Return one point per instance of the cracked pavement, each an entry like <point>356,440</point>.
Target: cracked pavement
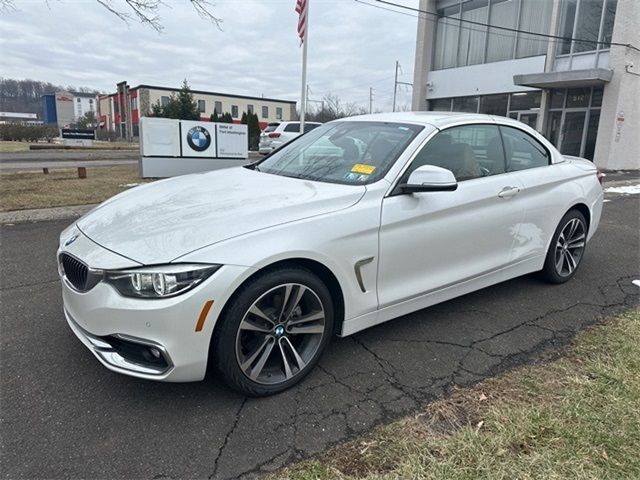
<point>63,415</point>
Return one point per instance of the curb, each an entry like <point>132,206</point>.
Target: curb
<point>41,214</point>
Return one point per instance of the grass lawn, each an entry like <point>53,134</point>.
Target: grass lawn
<point>576,417</point>
<point>11,147</point>
<point>19,191</point>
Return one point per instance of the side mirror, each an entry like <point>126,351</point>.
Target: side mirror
<point>429,178</point>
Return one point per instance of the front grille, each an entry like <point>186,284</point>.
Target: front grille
<point>75,271</point>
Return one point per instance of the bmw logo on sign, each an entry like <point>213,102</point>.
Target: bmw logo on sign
<point>199,139</point>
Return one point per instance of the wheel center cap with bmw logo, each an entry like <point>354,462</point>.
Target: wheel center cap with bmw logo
<point>199,139</point>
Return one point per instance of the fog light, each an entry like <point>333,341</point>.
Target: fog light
<point>155,352</point>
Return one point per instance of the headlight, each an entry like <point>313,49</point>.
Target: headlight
<point>158,281</point>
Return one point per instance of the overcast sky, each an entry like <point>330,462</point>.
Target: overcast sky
<point>78,42</point>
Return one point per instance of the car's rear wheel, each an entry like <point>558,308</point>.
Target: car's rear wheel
<point>273,331</point>
<point>566,249</point>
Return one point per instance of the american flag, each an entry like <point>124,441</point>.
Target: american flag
<point>301,10</point>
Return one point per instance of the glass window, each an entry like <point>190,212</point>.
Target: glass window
<point>440,105</point>
<point>494,104</point>
<point>201,106</point>
<point>566,25</point>
<point>249,108</point>
<point>218,107</point>
<point>525,100</point>
<point>234,111</point>
<point>596,98</point>
<point>278,113</point>
<point>522,151</point>
<point>465,104</point>
<point>609,17</point>
<point>271,127</point>
<point>342,152</point>
<point>292,127</point>
<point>557,98</point>
<point>529,119</point>
<point>449,27</point>
<point>535,16</point>
<point>265,112</point>
<point>592,133</point>
<point>572,132</point>
<point>578,97</point>
<point>470,151</point>
<point>500,42</point>
<point>472,37</point>
<point>310,126</point>
<point>588,25</point>
<point>165,100</point>
<point>554,127</point>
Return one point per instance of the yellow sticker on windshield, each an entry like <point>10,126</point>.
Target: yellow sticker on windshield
<point>363,168</point>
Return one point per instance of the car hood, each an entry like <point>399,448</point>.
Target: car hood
<point>161,221</point>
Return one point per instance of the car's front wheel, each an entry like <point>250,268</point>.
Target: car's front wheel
<point>566,249</point>
<point>273,331</point>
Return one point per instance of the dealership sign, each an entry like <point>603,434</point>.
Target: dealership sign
<point>77,136</point>
<point>176,147</point>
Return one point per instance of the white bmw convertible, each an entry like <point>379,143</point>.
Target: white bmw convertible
<point>251,270</point>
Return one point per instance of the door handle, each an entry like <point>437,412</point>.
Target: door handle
<point>508,192</point>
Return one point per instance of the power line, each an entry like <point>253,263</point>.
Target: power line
<point>508,29</point>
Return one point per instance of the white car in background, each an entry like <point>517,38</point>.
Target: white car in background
<point>251,270</point>
<point>277,134</point>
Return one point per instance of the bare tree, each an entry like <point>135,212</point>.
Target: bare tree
<point>333,107</point>
<point>144,11</point>
<point>148,11</point>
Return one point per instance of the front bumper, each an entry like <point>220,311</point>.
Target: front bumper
<point>121,332</point>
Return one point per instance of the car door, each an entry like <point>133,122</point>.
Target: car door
<point>435,239</point>
<point>544,188</point>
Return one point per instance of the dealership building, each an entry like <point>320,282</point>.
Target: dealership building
<point>120,112</point>
<point>65,108</point>
<point>582,91</point>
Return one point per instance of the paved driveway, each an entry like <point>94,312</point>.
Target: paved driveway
<point>63,415</point>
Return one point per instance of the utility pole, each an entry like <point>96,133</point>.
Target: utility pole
<point>370,100</point>
<point>395,86</point>
<point>396,83</point>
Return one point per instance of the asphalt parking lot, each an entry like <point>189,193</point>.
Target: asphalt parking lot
<point>64,416</point>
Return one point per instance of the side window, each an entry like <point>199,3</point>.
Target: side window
<point>310,126</point>
<point>292,127</point>
<point>522,151</point>
<point>469,151</point>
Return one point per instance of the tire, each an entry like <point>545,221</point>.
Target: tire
<point>566,249</point>
<point>262,347</point>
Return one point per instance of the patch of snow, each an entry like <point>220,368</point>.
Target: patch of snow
<point>129,185</point>
<point>627,190</point>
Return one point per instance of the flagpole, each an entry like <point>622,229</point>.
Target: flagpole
<point>303,95</point>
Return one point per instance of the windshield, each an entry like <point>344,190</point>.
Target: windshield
<point>351,153</point>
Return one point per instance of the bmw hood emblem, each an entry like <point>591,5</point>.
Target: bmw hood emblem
<point>71,240</point>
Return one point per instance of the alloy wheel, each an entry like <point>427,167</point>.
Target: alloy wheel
<point>570,247</point>
<point>280,334</point>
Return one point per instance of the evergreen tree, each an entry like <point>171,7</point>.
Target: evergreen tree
<point>157,110</point>
<point>254,130</point>
<point>243,119</point>
<point>214,116</point>
<point>182,106</point>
